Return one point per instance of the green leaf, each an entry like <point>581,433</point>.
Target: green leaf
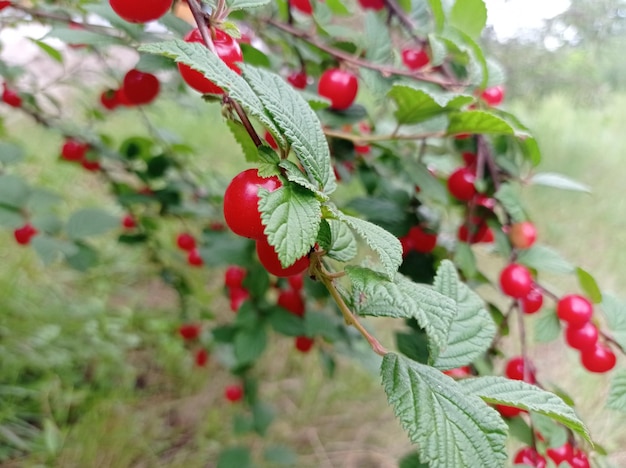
<point>50,249</point>
<point>250,344</point>
<point>451,427</point>
<point>14,192</point>
<point>242,137</point>
<point>543,258</point>
<point>617,395</point>
<point>235,457</point>
<point>438,14</point>
<point>286,323</point>
<point>377,43</point>
<point>245,4</point>
<point>339,241</point>
<point>472,330</point>
<point>552,179</point>
<point>53,53</point>
<point>321,324</point>
<point>297,122</point>
<point>415,103</point>
<point>520,430</point>
<point>547,326</point>
<point>615,312</point>
<point>470,16</point>
<point>509,199</point>
<point>278,455</point>
<point>263,415</point>
<point>78,36</point>
<point>11,217</point>
<point>90,222</point>
<point>85,258</point>
<point>411,460</point>
<point>292,217</point>
<point>374,295</point>
<point>385,244</point>
<point>503,391</point>
<point>10,153</point>
<point>589,285</point>
<point>478,121</point>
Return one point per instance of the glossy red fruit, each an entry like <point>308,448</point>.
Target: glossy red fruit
<point>11,97</point>
<point>304,343</point>
<point>185,241</point>
<point>189,331</point>
<point>493,96</point>
<point>194,258</point>
<point>201,357</point>
<point>508,411</point>
<point>514,370</point>
<point>91,166</point>
<point>291,301</point>
<point>579,460</point>
<point>582,338</point>
<point>74,150</point>
<point>560,454</point>
<point>574,309</point>
<point>227,49</point>
<point>140,88</point>
<point>522,235</point>
<point>140,11</point>
<point>516,281</point>
<point>598,359</point>
<point>24,234</point>
<point>461,184</point>
<point>407,245</point>
<point>339,86</point>
<point>233,393</point>
<point>469,158</point>
<point>108,99</point>
<point>414,59</point>
<point>459,372</point>
<point>422,241</point>
<point>298,79</point>
<point>296,282</point>
<point>269,259</point>
<point>529,456</point>
<point>238,295</point>
<point>4,4</point>
<point>479,233</point>
<point>241,200</point>
<point>128,222</point>
<point>532,302</point>
<point>234,276</point>
<point>269,138</point>
<point>372,4</point>
<point>304,6</point>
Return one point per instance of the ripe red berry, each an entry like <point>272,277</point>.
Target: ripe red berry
<point>296,282</point>
<point>201,357</point>
<point>598,359</point>
<point>582,338</point>
<point>11,97</point>
<point>532,302</point>
<point>493,96</point>
<point>529,456</point>
<point>185,241</point>
<point>227,49</point>
<point>407,244</point>
<point>560,454</point>
<point>423,241</point>
<point>479,232</point>
<point>241,201</point>
<point>574,309</point>
<point>414,59</point>
<point>194,258</point>
<point>579,460</point>
<point>269,138</point>
<point>234,276</point>
<point>108,99</point>
<point>469,158</point>
<point>140,11</point>
<point>516,281</point>
<point>269,259</point>
<point>459,372</point>
<point>238,295</point>
<point>140,88</point>
<point>298,79</point>
<point>24,234</point>
<point>508,411</point>
<point>304,343</point>
<point>303,6</point>
<point>189,331</point>
<point>339,86</point>
<point>291,301</point>
<point>515,370</point>
<point>461,184</point>
<point>522,235</point>
<point>372,4</point>
<point>90,165</point>
<point>128,222</point>
<point>4,4</point>
<point>74,150</point>
<point>233,393</point>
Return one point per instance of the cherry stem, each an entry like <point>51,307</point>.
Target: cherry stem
<point>360,138</point>
<point>202,23</point>
<point>256,139</point>
<point>405,21</point>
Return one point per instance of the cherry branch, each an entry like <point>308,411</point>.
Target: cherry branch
<point>360,138</point>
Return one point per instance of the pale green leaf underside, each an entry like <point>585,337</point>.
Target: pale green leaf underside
<point>292,217</point>
<point>500,390</point>
<point>544,258</point>
<point>559,181</point>
<point>615,312</point>
<point>617,396</point>
<point>451,427</point>
<point>90,222</point>
<point>470,16</point>
<point>343,246</point>
<point>415,105</point>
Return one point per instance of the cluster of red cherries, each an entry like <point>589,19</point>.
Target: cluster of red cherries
<point>138,89</point>
<point>76,151</point>
<point>292,300</point>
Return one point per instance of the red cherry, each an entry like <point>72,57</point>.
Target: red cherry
<point>408,245</point>
<point>487,202</point>
<point>362,149</point>
<point>24,234</point>
<point>74,150</point>
<point>91,166</point>
<point>234,276</point>
<point>291,301</point>
<point>423,241</point>
<point>516,281</point>
<point>122,99</point>
<point>582,338</point>
<point>579,460</point>
<point>270,140</point>
<point>598,359</point>
<point>522,235</point>
<point>493,96</point>
<point>108,99</point>
<point>339,86</point>
<point>269,259</point>
<point>296,282</point>
<point>194,258</point>
<point>233,393</point>
<point>414,59</point>
<point>560,454</point>
<point>201,357</point>
<point>459,372</point>
<point>140,88</point>
<point>461,184</point>
<point>189,331</point>
<point>303,6</point>
<point>238,295</point>
<point>372,4</point>
<point>532,302</point>
<point>298,79</point>
<point>241,202</point>
<point>128,222</point>
<point>478,234</point>
<point>508,411</point>
<point>11,97</point>
<point>304,343</point>
<point>186,241</point>
<point>227,49</point>
<point>574,309</point>
<point>529,456</point>
<point>140,11</point>
<point>4,4</point>
<point>515,370</point>
<point>469,158</point>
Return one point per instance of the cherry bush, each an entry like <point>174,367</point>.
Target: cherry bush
<point>394,98</point>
